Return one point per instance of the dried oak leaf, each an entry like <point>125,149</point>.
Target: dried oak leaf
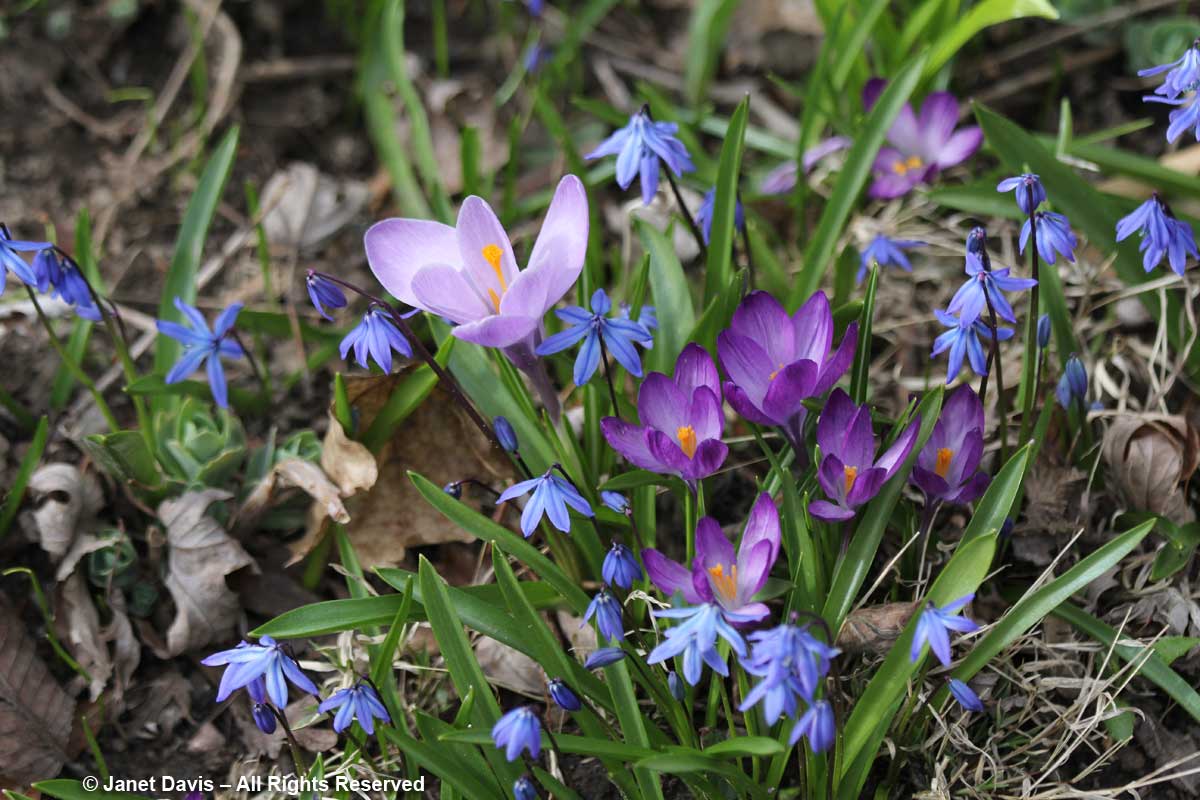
<point>873,629</point>
<point>67,503</point>
<point>199,556</point>
<point>35,713</point>
<point>1150,457</point>
<point>298,473</point>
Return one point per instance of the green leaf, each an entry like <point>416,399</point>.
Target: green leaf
<point>706,35</point>
<point>720,243</point>
<point>29,462</point>
<point>635,478</point>
<point>126,455</point>
<point>745,746</point>
<point>672,298</point>
<point>566,743</point>
<point>445,763</point>
<point>982,15</point>
<point>862,354</point>
<point>997,502</point>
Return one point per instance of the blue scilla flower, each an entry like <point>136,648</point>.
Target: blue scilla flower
<point>268,661</point>
<point>551,496</point>
<point>639,147</point>
<point>603,657</point>
<point>519,729</point>
<point>886,253</point>
<point>817,725</point>
<point>47,269</point>
<point>506,434</point>
<point>696,639</point>
<point>375,337</point>
<point>70,286</point>
<point>358,702</point>
<point>983,285</point>
<point>1029,189</point>
<point>963,340</point>
<point>562,695</point>
<point>1043,331</point>
<point>620,568</point>
<point>675,685</point>
<point>618,335</point>
<point>523,789</point>
<point>324,292</point>
<point>1072,386</point>
<point>965,695</point>
<point>1183,74</point>
<point>1053,236</point>
<point>606,609</point>
<point>264,717</point>
<point>201,344</point>
<point>615,501</point>
<point>977,241</point>
<point>934,626</point>
<point>1185,117</point>
<point>647,318</point>
<point>10,258</point>
<point>791,663</point>
<point>704,214</point>
<point>1162,234</point>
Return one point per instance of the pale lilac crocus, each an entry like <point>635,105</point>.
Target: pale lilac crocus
<point>719,574</point>
<point>681,421</point>
<point>775,360</point>
<point>849,473</point>
<point>469,275</point>
<point>947,469</point>
<point>920,145</point>
<point>782,179</point>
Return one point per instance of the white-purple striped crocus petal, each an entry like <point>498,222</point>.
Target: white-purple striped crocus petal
<point>469,275</point>
<point>681,421</point>
<point>921,145</point>
<point>947,467</point>
<point>849,473</point>
<point>775,360</point>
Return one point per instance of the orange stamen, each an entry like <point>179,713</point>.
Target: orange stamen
<point>776,372</point>
<point>687,440</point>
<point>726,585</point>
<point>493,255</point>
<point>851,476</point>
<point>944,456</point>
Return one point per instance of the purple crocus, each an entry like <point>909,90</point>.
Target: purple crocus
<point>639,146</point>
<point>719,574</point>
<point>934,625</point>
<point>921,146</point>
<point>849,472</point>
<point>201,344</point>
<point>886,252</point>
<point>469,275</point>
<point>1054,236</point>
<point>775,361</point>
<point>519,729</point>
<point>358,702</point>
<point>681,421</point>
<point>983,285</point>
<point>963,340</point>
<point>946,469</point>
<point>782,179</point>
<point>1162,234</point>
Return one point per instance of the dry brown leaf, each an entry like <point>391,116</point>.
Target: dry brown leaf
<point>875,628</point>
<point>1054,496</point>
<point>306,206</point>
<point>316,738</point>
<point>348,463</point>
<point>199,556</point>
<point>35,713</point>
<point>1151,457</point>
<point>298,473</point>
<point>507,667</point>
<point>69,501</point>
<point>81,621</point>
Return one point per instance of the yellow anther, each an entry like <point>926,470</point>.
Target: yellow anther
<point>687,439</point>
<point>944,456</point>
<point>851,476</point>
<point>726,585</point>
<point>776,372</point>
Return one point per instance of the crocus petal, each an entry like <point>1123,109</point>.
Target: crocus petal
<point>710,455</point>
<point>762,319</point>
<point>669,576</point>
<point>695,368</point>
<point>747,364</point>
<point>753,567</point>
<point>835,421</point>
<point>705,415</point>
<point>824,510</point>
<point>444,290</point>
<point>812,330</point>
<point>479,231</point>
<point>630,441</point>
<point>397,249</point>
<point>895,455</point>
<point>763,525</point>
<point>498,331</point>
<point>959,147</point>
<point>661,404</point>
<point>835,367</point>
<point>793,383</point>
<point>712,547</point>
<point>939,115</point>
<point>562,242</point>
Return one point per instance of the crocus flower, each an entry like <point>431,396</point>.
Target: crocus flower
<point>639,147</point>
<point>375,337</point>
<point>505,433</point>
<point>201,344</point>
<point>983,285</point>
<point>921,146</point>
<point>603,657</point>
<point>705,212</point>
<point>681,421</point>
<point>719,574</point>
<point>775,361</point>
<point>593,327</point>
<point>69,285</point>
<point>324,292</point>
<point>620,568</point>
<point>696,639</point>
<point>817,725</point>
<point>607,610</point>
<point>886,252</point>
<point>1029,189</point>
<point>946,469</point>
<point>1162,235</point>
<point>1072,386</point>
<point>468,274</point>
<point>523,789</point>
<point>615,501</point>
<point>519,729</point>
<point>782,179</point>
<point>1043,331</point>
<point>267,660</point>
<point>963,340</point>
<point>934,625</point>
<point>1053,236</point>
<point>791,662</point>
<point>849,473</point>
<point>356,702</point>
<point>1183,73</point>
<point>965,695</point>
<point>562,695</point>
<point>551,496</point>
<point>264,717</point>
<point>10,260</point>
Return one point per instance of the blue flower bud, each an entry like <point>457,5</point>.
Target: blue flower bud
<point>1073,385</point>
<point>523,789</point>
<point>562,695</point>
<point>965,695</point>
<point>620,568</point>
<point>603,657</point>
<point>454,489</point>
<point>263,718</point>
<point>1043,331</point>
<point>675,684</point>
<point>615,501</point>
<point>324,292</point>
<point>977,240</point>
<point>506,434</point>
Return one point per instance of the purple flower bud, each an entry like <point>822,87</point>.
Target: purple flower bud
<point>562,695</point>
<point>620,568</point>
<point>523,789</point>
<point>818,726</point>
<point>506,434</point>
<point>1043,331</point>
<point>965,695</point>
<point>263,718</point>
<point>324,292</point>
<point>1073,385</point>
<point>1029,189</point>
<point>675,684</point>
<point>977,240</point>
<point>454,489</point>
<point>519,729</point>
<point>603,657</point>
<point>607,610</point>
<point>615,501</point>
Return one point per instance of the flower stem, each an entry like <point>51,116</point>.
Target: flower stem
<point>293,745</point>
<point>1001,399</point>
<point>612,391</point>
<point>683,209</point>
<point>1031,325</point>
<point>258,374</point>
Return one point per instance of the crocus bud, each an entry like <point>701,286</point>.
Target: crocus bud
<point>506,434</point>
<point>562,695</point>
<point>1043,331</point>
<point>454,489</point>
<point>675,685</point>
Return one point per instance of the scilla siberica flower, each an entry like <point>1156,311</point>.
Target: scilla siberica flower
<point>1072,386</point>
<point>849,472</point>
<point>934,625</point>
<point>886,252</point>
<point>719,574</point>
<point>705,212</point>
<point>593,327</point>
<point>562,695</point>
<point>606,609</point>
<point>1183,74</point>
<point>603,657</point>
<point>620,568</point>
<point>920,146</point>
<point>1186,117</point>
<point>639,146</point>
<point>696,639</point>
<point>1029,191</point>
<point>66,281</point>
<point>505,434</point>
<point>983,285</point>
<point>775,360</point>
<point>10,260</point>
<point>615,501</point>
<point>267,660</point>
<point>324,292</point>
<point>201,344</point>
<point>551,496</point>
<point>963,340</point>
<point>523,789</point>
<point>1053,236</point>
<point>946,469</point>
<point>791,663</point>
<point>264,717</point>
<point>647,316</point>
<point>817,725</point>
<point>965,695</point>
<point>469,275</point>
<point>681,421</point>
<point>1043,331</point>
<point>356,702</point>
<point>519,729</point>
<point>375,337</point>
<point>1162,235</point>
